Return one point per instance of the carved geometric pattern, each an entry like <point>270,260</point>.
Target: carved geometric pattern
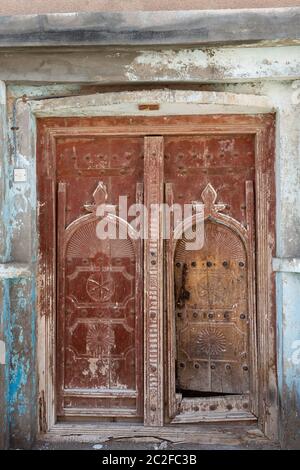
<point>211,341</point>
<point>100,287</point>
<point>209,197</point>
<point>100,319</point>
<point>153,284</point>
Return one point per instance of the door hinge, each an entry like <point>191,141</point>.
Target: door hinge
<point>42,413</point>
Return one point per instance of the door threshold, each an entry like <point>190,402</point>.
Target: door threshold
<point>204,434</point>
<point>209,416</point>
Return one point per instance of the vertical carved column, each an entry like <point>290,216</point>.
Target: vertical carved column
<point>153,283</point>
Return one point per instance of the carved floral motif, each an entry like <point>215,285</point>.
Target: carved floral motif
<point>211,341</point>
<point>100,340</point>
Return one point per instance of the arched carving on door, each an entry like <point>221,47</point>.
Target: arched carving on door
<point>213,303</point>
<point>211,313</point>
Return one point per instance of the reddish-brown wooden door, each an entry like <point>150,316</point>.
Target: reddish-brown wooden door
<point>141,325</point>
<point>99,308</point>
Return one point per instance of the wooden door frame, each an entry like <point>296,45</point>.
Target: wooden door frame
<point>262,127</point>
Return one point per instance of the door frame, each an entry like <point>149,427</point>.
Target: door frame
<point>262,126</point>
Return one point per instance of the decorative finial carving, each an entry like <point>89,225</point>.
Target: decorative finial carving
<point>209,197</point>
<point>99,196</point>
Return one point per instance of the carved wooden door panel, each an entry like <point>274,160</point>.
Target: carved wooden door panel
<point>99,308</point>
<point>211,322</point>
<point>213,286</point>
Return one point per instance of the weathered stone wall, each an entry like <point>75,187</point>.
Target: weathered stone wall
<point>23,7</point>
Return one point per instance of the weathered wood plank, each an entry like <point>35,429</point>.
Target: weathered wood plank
<point>198,434</point>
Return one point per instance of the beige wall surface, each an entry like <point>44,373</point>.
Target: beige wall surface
<point>21,7</point>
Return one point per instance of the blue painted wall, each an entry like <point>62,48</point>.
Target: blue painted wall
<point>289,357</point>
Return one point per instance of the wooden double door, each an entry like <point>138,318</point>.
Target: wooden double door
<point>147,329</point>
